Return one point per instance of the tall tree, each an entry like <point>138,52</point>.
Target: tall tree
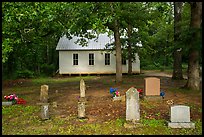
<point>177,53</point>
<point>193,81</point>
<point>27,29</point>
<point>134,16</point>
<point>157,35</point>
<point>101,17</point>
<point>114,25</point>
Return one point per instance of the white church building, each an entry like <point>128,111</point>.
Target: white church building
<point>92,59</point>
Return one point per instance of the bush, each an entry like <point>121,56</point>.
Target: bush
<point>47,69</point>
<point>150,67</point>
<point>25,74</point>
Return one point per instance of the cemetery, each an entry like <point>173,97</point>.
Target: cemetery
<point>101,68</point>
<point>97,105</point>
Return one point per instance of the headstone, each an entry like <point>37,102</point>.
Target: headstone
<point>152,87</point>
<point>44,94</point>
<point>44,102</point>
<point>54,104</point>
<point>132,105</point>
<point>180,117</point>
<point>82,88</point>
<point>45,111</point>
<point>81,109</point>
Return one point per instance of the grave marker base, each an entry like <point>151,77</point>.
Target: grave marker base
<point>181,125</point>
<point>153,97</point>
<point>130,124</point>
<point>117,98</point>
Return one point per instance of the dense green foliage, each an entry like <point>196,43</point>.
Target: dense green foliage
<point>30,34</point>
<point>31,30</point>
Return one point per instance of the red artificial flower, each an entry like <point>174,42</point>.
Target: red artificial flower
<point>21,101</point>
<point>139,90</point>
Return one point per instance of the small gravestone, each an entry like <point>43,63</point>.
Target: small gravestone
<point>82,88</point>
<point>7,103</point>
<point>44,114</point>
<point>54,104</point>
<point>44,94</point>
<point>81,109</point>
<point>132,105</point>
<point>44,111</point>
<point>152,88</point>
<point>180,117</point>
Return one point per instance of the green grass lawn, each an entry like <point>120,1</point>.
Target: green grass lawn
<point>23,120</point>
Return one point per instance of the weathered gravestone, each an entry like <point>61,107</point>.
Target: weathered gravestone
<point>180,117</point>
<point>152,88</point>
<point>54,104</point>
<point>45,111</point>
<point>132,108</point>
<point>82,100</point>
<point>44,94</point>
<point>44,102</point>
<point>82,88</point>
<point>81,109</point>
<point>132,105</point>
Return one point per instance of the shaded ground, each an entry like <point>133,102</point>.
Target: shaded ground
<point>99,106</point>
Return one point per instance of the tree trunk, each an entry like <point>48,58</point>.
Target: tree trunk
<point>177,65</point>
<point>129,32</point>
<point>193,64</point>
<point>48,60</point>
<point>118,52</point>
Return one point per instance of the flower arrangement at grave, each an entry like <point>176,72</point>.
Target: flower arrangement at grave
<point>114,92</point>
<point>140,92</point>
<point>14,99</point>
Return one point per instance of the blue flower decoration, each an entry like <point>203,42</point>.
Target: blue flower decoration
<point>112,90</point>
<point>162,93</point>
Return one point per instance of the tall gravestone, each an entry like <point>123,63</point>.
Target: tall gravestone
<point>180,117</point>
<point>132,105</point>
<point>82,88</point>
<point>44,102</point>
<point>81,101</point>
<point>152,87</point>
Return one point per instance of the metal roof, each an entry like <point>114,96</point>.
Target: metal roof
<point>93,44</point>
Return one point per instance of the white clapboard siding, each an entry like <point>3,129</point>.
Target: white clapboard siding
<point>67,48</point>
